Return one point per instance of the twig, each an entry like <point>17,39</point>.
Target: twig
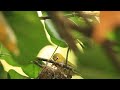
<point>37,63</point>
<point>88,33</point>
<point>85,31</point>
<point>52,54</point>
<point>55,63</point>
<point>54,51</point>
<point>44,17</point>
<point>81,14</point>
<point>67,16</point>
<point>66,63</point>
<point>63,28</point>
<point>84,14</point>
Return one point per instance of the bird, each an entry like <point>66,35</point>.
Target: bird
<point>60,59</point>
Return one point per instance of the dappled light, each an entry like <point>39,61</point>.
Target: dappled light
<point>59,45</point>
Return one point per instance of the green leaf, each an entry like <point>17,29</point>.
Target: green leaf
<point>117,34</point>
<point>31,38</point>
<point>78,21</point>
<point>5,55</point>
<point>95,64</point>
<point>52,31</point>
<point>78,35</point>
<point>29,32</point>
<point>116,37</point>
<point>12,74</point>
<point>3,73</point>
<point>31,70</point>
<point>94,73</point>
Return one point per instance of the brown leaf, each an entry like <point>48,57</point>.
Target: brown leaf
<point>108,20</point>
<point>6,36</point>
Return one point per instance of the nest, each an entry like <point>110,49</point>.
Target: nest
<point>51,73</point>
<point>56,71</point>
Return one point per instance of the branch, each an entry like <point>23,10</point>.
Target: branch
<point>67,16</point>
<point>61,22</point>
<point>84,14</point>
<point>63,28</point>
<point>85,31</point>
<point>37,63</point>
<point>53,62</point>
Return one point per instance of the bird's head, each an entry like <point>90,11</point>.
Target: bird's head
<point>58,57</point>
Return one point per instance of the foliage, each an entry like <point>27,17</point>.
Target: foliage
<point>33,35</point>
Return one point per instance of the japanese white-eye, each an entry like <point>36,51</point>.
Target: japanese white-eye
<point>60,59</point>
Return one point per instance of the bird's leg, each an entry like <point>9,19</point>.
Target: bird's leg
<point>52,55</point>
<point>54,52</point>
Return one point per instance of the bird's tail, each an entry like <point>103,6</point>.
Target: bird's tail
<point>74,69</point>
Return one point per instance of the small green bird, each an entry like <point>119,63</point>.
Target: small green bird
<point>60,59</point>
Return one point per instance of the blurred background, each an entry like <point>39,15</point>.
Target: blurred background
<point>92,36</point>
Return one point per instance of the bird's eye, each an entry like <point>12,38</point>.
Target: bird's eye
<point>57,58</point>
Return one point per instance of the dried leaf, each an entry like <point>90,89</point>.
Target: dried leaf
<point>108,20</point>
<point>7,37</point>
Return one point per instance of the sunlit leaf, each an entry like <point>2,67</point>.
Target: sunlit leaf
<point>3,73</point>
<point>5,55</point>
<point>32,42</point>
<point>14,75</point>
<point>54,34</point>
